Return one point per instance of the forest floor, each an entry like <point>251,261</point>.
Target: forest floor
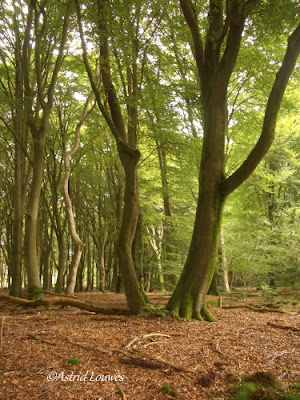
<point>118,358</point>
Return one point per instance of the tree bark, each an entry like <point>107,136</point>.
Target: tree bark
<point>214,71</point>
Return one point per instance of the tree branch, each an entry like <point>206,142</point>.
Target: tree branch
<point>269,124</point>
<point>191,19</point>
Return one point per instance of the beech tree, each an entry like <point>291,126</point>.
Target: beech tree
<point>216,53</point>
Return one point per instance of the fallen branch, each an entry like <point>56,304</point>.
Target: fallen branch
<point>258,309</point>
<point>139,339</point>
<point>50,293</point>
<point>40,339</point>
<point>280,354</point>
<point>134,353</point>
<point>1,334</point>
<point>63,301</point>
<point>292,328</point>
<point>140,362</point>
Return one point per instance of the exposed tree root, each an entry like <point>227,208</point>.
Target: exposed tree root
<point>62,301</point>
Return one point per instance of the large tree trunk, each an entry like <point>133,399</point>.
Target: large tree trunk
<point>214,71</point>
<point>188,300</point>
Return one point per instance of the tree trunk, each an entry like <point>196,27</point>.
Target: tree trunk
<point>78,243</point>
<point>101,252</point>
<point>224,263</point>
<point>133,291</point>
<point>188,299</point>
<point>16,286</point>
<point>31,222</point>
<point>62,260</point>
<point>157,248</point>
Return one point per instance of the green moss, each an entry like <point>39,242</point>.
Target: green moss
<point>296,386</point>
<point>207,316</point>
<point>230,373</point>
<point>263,386</point>
<point>169,389</point>
<point>291,396</point>
<point>38,292</point>
<point>265,378</point>
<point>243,391</point>
<point>73,361</point>
<point>212,303</point>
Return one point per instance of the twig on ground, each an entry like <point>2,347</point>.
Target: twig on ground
<point>1,333</point>
<point>40,339</point>
<point>280,354</point>
<point>141,338</point>
<point>123,395</point>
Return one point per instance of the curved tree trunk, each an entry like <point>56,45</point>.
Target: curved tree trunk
<point>133,291</point>
<point>78,243</point>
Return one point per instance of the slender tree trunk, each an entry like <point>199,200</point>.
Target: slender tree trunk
<point>101,251</point>
<point>77,242</point>
<point>115,269</point>
<point>16,286</point>
<point>224,263</point>
<point>62,263</point>
<point>31,221</point>
<point>157,248</point>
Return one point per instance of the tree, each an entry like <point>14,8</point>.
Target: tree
<point>43,38</point>
<point>215,59</point>
<point>122,124</point>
